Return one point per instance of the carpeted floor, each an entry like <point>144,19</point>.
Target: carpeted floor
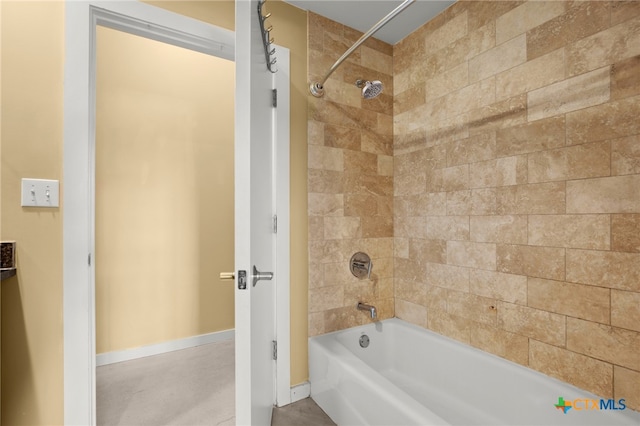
<point>191,387</point>
<point>194,386</point>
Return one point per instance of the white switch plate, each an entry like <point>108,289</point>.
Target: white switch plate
<point>40,193</point>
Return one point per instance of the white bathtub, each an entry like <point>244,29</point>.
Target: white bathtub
<point>411,376</point>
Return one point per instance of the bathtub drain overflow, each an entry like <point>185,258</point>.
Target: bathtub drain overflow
<point>364,341</point>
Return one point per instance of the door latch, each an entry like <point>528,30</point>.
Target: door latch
<point>242,280</point>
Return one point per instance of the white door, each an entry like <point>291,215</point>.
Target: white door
<point>255,239</point>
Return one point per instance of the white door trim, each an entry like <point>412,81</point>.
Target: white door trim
<point>81,19</point>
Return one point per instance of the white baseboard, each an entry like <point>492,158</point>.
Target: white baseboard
<point>164,347</point>
<point>301,391</point>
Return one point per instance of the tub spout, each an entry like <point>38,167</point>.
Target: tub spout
<point>372,309</point>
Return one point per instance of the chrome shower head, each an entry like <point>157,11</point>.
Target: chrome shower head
<point>370,89</point>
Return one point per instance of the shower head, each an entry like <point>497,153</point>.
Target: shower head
<point>370,89</point>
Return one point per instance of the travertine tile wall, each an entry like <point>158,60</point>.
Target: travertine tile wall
<point>350,179</point>
<point>517,185</point>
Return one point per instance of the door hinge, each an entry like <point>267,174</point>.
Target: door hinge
<point>89,259</point>
<point>274,98</point>
<point>274,349</point>
<point>275,223</point>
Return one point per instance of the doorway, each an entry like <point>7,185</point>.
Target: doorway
<point>81,21</point>
<point>164,200</point>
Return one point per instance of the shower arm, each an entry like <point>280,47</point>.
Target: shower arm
<point>317,88</point>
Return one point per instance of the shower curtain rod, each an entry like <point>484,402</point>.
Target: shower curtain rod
<point>317,88</point>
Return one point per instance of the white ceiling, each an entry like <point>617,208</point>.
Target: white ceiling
<point>364,14</point>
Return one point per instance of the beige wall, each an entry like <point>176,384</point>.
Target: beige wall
<point>32,70</point>
<point>164,192</point>
<point>350,179</point>
<point>517,185</point>
<point>32,120</point>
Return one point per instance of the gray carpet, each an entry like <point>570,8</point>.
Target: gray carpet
<point>190,387</point>
<point>194,386</point>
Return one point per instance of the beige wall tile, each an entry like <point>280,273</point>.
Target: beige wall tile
<point>411,291</point>
<point>483,201</point>
<point>607,269</point>
<point>326,158</point>
<point>458,202</point>
<point>625,78</point>
<point>315,132</point>
<point>542,262</point>
<point>448,179</point>
<point>471,254</point>
<point>568,95</point>
<point>326,204</point>
<point>609,121</point>
<point>471,306</point>
<point>625,309</point>
<point>336,274</point>
<point>325,181</point>
<point>610,344</point>
<point>410,227</point>
<point>606,47</point>
<point>448,227</point>
<point>537,198</point>
<point>385,165</point>
<point>498,285</point>
<point>409,99</point>
<point>448,276</point>
<point>357,291</point>
<point>316,228</point>
<point>624,232</point>
<point>534,323</point>
<point>384,288</point>
<point>324,298</point>
<point>337,227</point>
<point>428,251</point>
<point>499,172</point>
<point>376,60</point>
<point>463,49</point>
<point>472,149</point>
<point>531,137</point>
<point>476,95</point>
<point>376,143</point>
<point>358,183</point>
<point>411,312</point>
<point>400,247</point>
<point>360,162</point>
<point>581,20</point>
<point>421,160</point>
<point>378,226</point>
<point>574,162</point>
<point>579,370</point>
<point>499,229</point>
<point>524,17</point>
<point>576,300</point>
<point>574,231</point>
<point>625,156</point>
<point>500,58</point>
<point>486,12</point>
<point>410,184</point>
<point>452,326</point>
<point>623,10</point>
<point>620,194</point>
<point>446,34</point>
<point>511,346</point>
<point>625,385</point>
<point>409,270</point>
<point>341,137</point>
<point>499,115</point>
<point>444,83</point>
<point>531,75</point>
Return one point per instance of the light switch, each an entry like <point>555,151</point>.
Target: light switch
<point>40,193</point>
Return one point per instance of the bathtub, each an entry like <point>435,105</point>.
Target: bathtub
<point>411,376</point>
